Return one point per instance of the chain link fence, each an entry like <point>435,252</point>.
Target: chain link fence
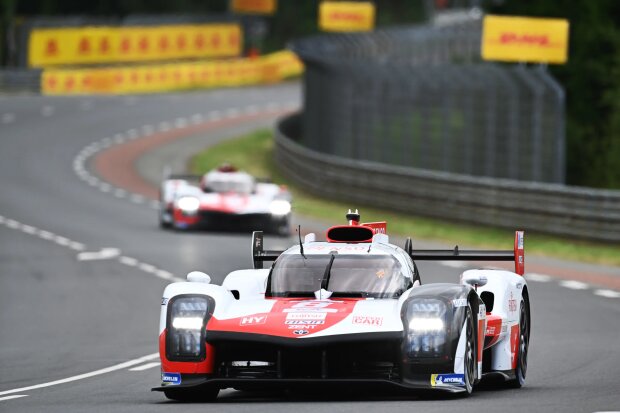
<point>419,97</point>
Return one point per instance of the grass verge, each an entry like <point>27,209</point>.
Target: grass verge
<point>253,153</point>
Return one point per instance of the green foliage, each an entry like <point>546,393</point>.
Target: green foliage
<point>592,82</point>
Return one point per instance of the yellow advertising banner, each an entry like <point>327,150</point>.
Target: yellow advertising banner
<point>171,76</point>
<point>96,45</point>
<point>524,39</point>
<point>346,16</point>
<point>254,6</point>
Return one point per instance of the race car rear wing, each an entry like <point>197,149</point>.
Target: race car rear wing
<point>517,254</point>
<point>259,255</point>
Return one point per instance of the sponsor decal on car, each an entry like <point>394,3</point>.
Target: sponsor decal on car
<point>367,320</point>
<point>512,303</point>
<point>304,322</point>
<point>252,320</point>
<point>164,301</point>
<point>304,327</point>
<point>305,316</point>
<point>312,306</point>
<point>446,380</point>
<point>300,332</point>
<point>171,379</point>
<point>459,302</point>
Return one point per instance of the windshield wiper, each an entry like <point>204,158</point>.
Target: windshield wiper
<point>327,273</point>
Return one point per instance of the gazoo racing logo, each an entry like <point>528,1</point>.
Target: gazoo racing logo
<point>252,320</point>
<point>303,324</point>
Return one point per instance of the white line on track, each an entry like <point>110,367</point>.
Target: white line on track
<point>197,118</point>
<point>62,241</point>
<point>15,396</point>
<point>11,223</point>
<point>180,123</point>
<point>607,293</point>
<point>132,262</point>
<point>232,113</point>
<point>542,278</point>
<point>574,285</point>
<point>76,246</point>
<point>104,253</point>
<point>146,366</point>
<point>45,234</point>
<point>147,267</point>
<point>110,369</point>
<point>29,229</point>
<point>453,264</point>
<point>147,130</point>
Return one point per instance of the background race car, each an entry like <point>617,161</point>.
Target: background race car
<point>224,199</point>
<point>348,311</point>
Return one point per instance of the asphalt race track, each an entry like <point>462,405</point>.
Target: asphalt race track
<point>83,265</point>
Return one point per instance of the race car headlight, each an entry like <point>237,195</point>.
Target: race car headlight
<point>188,204</point>
<point>426,327</point>
<point>279,207</point>
<point>186,328</point>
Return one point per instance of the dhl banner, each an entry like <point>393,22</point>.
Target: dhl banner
<point>346,16</point>
<point>522,39</point>
<point>172,76</point>
<point>88,45</point>
<point>254,6</point>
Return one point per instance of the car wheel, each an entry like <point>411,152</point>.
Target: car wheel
<point>207,394</point>
<point>162,221</point>
<point>524,341</point>
<point>469,360</point>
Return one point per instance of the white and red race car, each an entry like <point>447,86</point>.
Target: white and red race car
<point>224,198</point>
<point>348,311</point>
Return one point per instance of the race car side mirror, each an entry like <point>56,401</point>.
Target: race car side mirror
<point>198,277</point>
<point>473,278</point>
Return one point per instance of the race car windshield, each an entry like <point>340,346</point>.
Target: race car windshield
<point>377,276</point>
<point>241,187</point>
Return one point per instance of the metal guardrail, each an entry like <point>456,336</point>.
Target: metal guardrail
<point>550,208</point>
<point>420,97</point>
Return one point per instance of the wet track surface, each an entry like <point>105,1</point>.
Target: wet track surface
<point>87,329</point>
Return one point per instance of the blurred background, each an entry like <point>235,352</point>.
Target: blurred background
<point>396,90</point>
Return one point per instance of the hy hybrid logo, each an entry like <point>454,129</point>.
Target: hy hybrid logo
<point>254,319</point>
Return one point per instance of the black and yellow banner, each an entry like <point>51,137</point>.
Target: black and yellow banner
<point>346,16</point>
<point>98,45</point>
<point>172,76</point>
<point>525,39</point>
